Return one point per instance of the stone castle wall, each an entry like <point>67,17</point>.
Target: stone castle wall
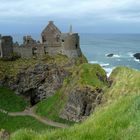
<point>53,42</point>
<point>71,46</point>
<point>6,46</point>
<point>71,42</point>
<point>24,52</point>
<point>40,50</point>
<point>53,50</point>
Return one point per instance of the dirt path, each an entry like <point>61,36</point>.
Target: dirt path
<point>30,112</point>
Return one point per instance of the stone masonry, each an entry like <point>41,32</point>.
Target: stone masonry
<point>52,42</point>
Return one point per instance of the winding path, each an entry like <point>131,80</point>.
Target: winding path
<point>30,112</point>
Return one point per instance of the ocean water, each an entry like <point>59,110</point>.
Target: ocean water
<point>96,46</point>
<point>123,46</point>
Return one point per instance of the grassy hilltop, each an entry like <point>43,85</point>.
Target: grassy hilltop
<point>117,117</point>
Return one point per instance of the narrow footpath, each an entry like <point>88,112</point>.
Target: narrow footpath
<point>30,112</point>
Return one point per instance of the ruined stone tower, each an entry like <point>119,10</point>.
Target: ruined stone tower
<point>53,42</point>
<point>60,43</point>
<point>51,35</point>
<point>6,46</point>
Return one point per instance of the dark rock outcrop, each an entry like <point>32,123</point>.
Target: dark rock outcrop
<point>81,102</point>
<point>137,56</point>
<point>110,55</point>
<point>37,83</point>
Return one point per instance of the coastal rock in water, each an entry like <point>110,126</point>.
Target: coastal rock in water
<point>81,102</point>
<point>137,56</point>
<point>110,55</point>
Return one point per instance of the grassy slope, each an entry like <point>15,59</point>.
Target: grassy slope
<point>11,102</point>
<point>117,119</point>
<point>51,107</point>
<point>12,124</point>
<point>83,75</point>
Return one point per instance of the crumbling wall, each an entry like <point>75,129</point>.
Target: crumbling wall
<point>40,50</point>
<point>53,50</point>
<point>17,50</point>
<point>6,46</point>
<point>71,46</point>
<point>26,52</point>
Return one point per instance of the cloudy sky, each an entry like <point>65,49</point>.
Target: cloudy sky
<point>86,16</point>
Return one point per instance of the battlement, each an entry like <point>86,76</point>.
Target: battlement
<point>28,40</point>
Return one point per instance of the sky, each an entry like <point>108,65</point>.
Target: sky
<point>86,16</point>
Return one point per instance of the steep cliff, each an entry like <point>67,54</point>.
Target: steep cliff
<point>36,79</point>
<point>116,118</point>
<point>80,93</point>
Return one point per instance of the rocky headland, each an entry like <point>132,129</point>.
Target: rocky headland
<point>80,84</point>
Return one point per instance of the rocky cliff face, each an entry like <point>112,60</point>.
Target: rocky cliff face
<point>81,103</point>
<point>81,85</point>
<point>85,89</point>
<point>38,82</point>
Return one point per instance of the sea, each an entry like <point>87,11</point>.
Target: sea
<point>96,47</point>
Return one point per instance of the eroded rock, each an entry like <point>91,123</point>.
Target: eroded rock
<point>37,83</point>
<point>81,102</point>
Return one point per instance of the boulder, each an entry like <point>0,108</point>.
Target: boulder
<point>137,56</point>
<point>110,55</point>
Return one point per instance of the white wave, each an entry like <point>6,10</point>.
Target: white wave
<point>116,56</point>
<point>104,65</point>
<point>130,54</point>
<point>137,60</point>
<point>109,71</point>
<point>93,62</point>
<point>100,63</point>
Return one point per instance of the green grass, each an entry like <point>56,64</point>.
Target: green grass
<point>12,68</point>
<point>11,102</point>
<point>51,108</point>
<point>11,124</point>
<point>117,119</point>
<point>92,75</point>
<point>84,75</point>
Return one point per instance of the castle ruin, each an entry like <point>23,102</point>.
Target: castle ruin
<point>52,42</point>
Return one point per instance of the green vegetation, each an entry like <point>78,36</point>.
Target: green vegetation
<point>12,68</point>
<point>116,119</point>
<point>51,108</point>
<point>83,75</point>
<point>11,124</point>
<point>11,102</point>
<point>92,75</point>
